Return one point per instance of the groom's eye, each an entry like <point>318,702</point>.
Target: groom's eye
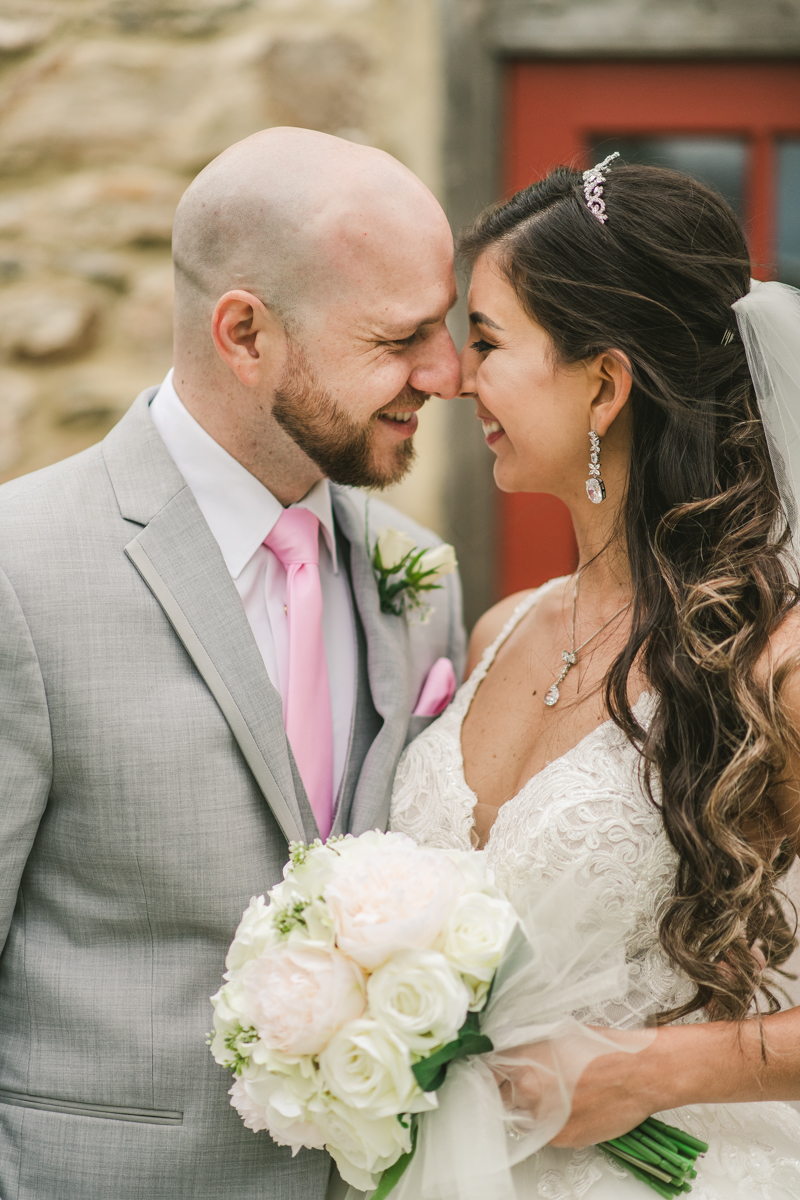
<point>406,341</point>
<point>481,346</point>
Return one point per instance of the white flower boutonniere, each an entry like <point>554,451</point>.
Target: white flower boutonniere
<point>403,572</point>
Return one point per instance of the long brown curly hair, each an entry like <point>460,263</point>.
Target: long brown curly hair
<point>706,538</point>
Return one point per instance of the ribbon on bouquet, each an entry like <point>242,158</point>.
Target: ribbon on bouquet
<point>567,955</point>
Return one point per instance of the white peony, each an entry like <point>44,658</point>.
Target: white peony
<point>441,559</point>
<point>398,899</point>
<point>369,1069</point>
<point>270,1103</point>
<point>393,546</point>
<point>477,933</point>
<point>300,994</point>
<point>419,997</point>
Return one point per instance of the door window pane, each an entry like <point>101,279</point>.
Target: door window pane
<point>716,161</point>
<point>789,212</point>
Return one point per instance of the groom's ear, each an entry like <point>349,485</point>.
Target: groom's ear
<point>249,339</point>
<point>612,377</point>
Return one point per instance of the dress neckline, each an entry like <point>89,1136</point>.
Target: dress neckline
<point>480,672</point>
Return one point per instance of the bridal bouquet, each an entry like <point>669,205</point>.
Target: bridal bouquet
<point>351,987</point>
<point>378,994</point>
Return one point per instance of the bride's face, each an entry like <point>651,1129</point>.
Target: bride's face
<point>536,414</point>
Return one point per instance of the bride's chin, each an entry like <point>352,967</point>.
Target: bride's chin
<point>508,479</point>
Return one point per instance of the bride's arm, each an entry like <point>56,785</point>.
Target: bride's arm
<point>717,1062</point>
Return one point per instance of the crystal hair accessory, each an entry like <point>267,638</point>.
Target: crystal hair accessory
<point>593,181</point>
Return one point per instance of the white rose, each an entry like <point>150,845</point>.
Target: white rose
<point>270,1103</point>
<point>478,875</point>
<point>362,1146</point>
<point>300,994</point>
<point>307,879</point>
<point>419,997</point>
<point>319,926</point>
<point>397,898</point>
<point>441,559</point>
<point>254,933</point>
<point>477,934</point>
<point>393,546</point>
<point>366,1067</point>
<point>231,1018</point>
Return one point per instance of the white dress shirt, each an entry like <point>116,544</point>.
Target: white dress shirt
<point>241,512</point>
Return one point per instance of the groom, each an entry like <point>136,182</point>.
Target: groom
<point>194,665</point>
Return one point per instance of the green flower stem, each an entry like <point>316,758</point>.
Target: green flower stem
<point>667,1152</point>
<point>641,1159</point>
<point>668,1190</point>
<point>663,1139</point>
<point>659,1155</point>
<point>678,1135</point>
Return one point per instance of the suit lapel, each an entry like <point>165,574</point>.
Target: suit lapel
<point>179,559</point>
<point>387,669</point>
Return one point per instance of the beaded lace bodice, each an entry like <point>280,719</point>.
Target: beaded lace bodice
<point>586,810</point>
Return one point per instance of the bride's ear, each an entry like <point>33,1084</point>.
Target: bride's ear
<point>612,376</point>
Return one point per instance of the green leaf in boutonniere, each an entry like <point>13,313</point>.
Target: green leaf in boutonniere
<point>404,573</point>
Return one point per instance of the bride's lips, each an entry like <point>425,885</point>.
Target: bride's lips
<point>403,424</point>
<point>492,430</point>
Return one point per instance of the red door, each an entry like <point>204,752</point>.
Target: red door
<point>736,125</point>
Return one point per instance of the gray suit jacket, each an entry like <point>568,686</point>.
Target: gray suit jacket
<point>147,791</point>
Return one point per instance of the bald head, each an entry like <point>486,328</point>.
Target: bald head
<point>294,217</point>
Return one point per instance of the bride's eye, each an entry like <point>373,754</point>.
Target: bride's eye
<point>481,346</point>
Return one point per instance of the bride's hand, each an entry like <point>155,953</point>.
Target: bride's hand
<point>613,1093</point>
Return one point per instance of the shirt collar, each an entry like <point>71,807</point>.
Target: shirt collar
<point>238,509</point>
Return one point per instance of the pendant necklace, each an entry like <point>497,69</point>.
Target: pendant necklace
<point>570,657</point>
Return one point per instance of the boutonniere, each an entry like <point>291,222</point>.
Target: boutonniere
<point>403,572</point>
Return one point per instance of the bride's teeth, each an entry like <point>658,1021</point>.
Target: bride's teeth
<point>490,427</point>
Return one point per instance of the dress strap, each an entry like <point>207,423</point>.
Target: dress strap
<point>490,653</point>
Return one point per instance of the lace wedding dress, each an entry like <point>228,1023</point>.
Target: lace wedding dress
<point>587,811</point>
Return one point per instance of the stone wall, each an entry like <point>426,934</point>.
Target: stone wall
<point>108,108</point>
<point>712,28</point>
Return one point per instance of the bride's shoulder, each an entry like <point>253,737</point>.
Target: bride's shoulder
<point>489,627</point>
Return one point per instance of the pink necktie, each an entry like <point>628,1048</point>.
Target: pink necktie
<point>307,704</point>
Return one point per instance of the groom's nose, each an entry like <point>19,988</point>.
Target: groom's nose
<point>438,372</point>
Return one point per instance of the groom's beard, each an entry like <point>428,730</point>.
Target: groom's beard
<point>340,446</point>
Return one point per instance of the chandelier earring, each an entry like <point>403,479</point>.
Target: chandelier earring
<point>595,488</point>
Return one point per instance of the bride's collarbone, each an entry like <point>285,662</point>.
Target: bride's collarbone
<point>509,734</point>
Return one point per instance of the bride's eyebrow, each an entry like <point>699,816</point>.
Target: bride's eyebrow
<point>479,318</point>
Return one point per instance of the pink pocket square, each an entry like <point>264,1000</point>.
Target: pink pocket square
<point>438,689</point>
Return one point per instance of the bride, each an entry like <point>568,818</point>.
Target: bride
<point>639,721</point>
